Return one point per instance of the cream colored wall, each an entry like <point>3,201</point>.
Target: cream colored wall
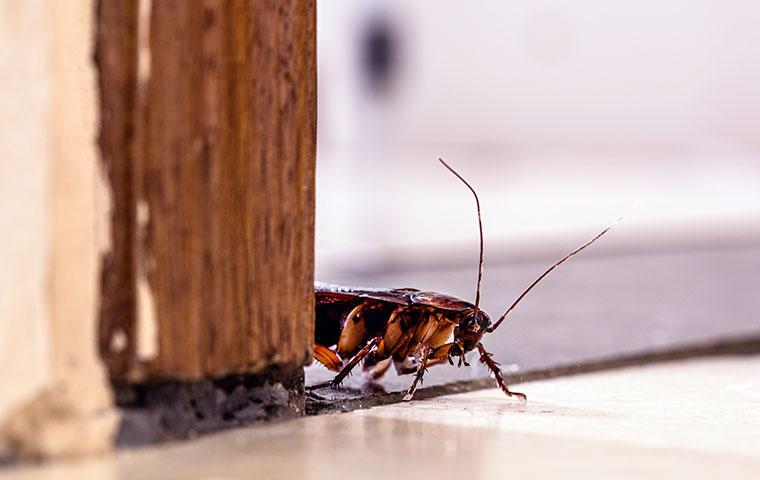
<point>54,399</point>
<point>25,160</point>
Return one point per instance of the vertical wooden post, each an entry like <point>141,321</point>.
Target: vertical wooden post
<point>211,154</point>
<point>116,58</point>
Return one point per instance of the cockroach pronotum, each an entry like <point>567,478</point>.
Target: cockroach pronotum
<point>407,327</point>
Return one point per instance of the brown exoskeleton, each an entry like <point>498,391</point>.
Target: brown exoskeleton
<point>410,328</point>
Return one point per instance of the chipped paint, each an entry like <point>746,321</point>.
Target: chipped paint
<point>143,42</point>
<point>147,322</point>
<point>143,216</point>
<point>119,341</point>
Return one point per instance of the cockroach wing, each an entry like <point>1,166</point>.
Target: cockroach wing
<point>440,300</point>
<point>401,296</point>
<point>323,297</point>
<point>328,293</point>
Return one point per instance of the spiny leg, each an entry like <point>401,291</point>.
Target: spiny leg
<point>374,342</point>
<point>422,353</point>
<point>485,358</point>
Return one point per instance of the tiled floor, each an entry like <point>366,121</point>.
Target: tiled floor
<point>695,419</point>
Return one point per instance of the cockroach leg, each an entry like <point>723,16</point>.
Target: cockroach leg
<point>421,354</point>
<point>462,360</point>
<point>327,357</point>
<point>486,359</point>
<point>458,350</point>
<point>374,342</point>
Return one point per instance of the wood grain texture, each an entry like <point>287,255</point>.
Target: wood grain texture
<point>223,196</point>
<point>116,58</point>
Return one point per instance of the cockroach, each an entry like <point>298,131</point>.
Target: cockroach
<point>409,328</point>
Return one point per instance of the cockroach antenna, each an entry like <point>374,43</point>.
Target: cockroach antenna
<point>480,227</point>
<point>560,262</point>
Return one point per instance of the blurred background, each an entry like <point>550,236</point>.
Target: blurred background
<point>562,116</point>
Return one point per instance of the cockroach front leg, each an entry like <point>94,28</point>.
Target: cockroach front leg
<point>485,357</point>
<point>374,342</point>
<point>421,354</point>
<point>458,350</point>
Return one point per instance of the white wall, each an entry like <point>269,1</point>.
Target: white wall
<point>562,114</point>
<point>25,159</point>
<point>549,72</point>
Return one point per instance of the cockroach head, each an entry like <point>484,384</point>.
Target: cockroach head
<point>471,329</point>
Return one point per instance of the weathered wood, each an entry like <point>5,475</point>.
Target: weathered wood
<point>116,58</point>
<point>222,206</point>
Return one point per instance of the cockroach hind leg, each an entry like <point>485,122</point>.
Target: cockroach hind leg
<point>327,357</point>
<point>423,353</point>
<point>336,381</point>
<point>319,386</point>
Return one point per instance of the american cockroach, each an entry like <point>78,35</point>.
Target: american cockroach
<point>407,327</point>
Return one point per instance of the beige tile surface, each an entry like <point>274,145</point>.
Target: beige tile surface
<point>702,405</point>
<point>696,419</point>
